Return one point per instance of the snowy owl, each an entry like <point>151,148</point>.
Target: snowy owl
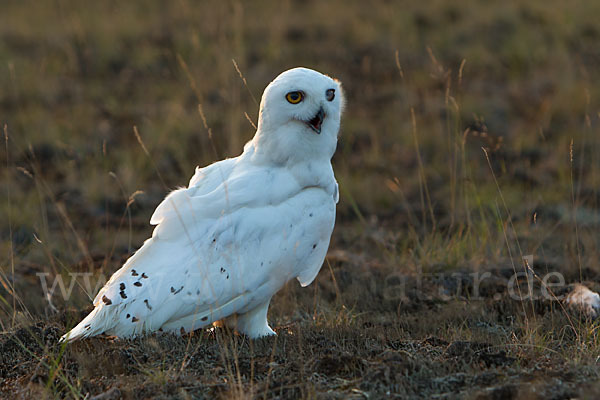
<point>244,226</point>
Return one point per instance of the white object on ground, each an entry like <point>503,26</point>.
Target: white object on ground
<point>584,300</point>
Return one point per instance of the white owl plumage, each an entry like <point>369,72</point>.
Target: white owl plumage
<point>244,226</point>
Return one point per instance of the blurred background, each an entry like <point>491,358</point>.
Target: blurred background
<point>471,133</point>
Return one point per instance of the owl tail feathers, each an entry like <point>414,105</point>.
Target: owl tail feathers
<point>91,325</point>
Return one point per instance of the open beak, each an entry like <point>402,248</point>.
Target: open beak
<point>316,122</point>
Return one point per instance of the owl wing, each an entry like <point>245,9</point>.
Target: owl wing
<point>207,250</point>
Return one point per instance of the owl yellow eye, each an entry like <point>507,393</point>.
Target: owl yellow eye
<point>294,97</point>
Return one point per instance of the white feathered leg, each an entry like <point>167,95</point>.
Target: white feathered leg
<point>253,323</point>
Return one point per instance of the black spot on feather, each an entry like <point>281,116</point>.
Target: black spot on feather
<point>106,300</point>
<point>134,319</point>
<point>144,275</point>
<point>176,291</point>
<point>128,315</point>
<point>148,304</point>
<point>122,286</point>
<point>138,283</point>
<point>123,295</point>
<point>133,273</point>
<point>222,269</point>
<point>204,318</point>
<point>314,246</point>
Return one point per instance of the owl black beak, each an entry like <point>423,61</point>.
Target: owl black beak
<point>315,122</point>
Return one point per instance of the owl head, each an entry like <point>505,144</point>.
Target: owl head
<point>299,116</point>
